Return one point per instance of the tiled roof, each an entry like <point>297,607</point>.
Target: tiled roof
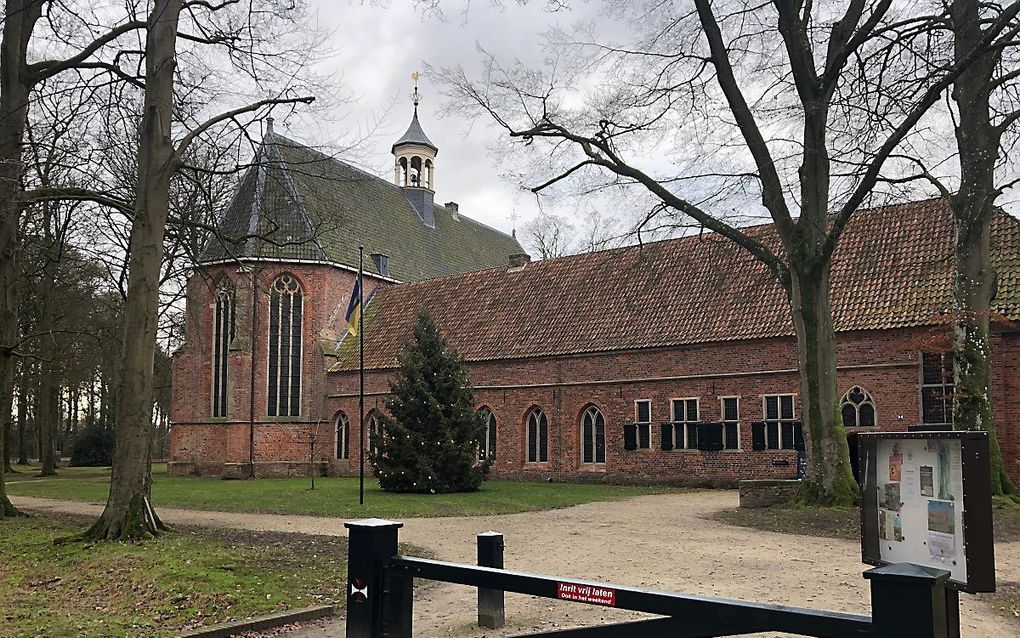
<point>892,269</point>
<point>296,203</point>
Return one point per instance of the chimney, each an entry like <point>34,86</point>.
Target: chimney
<point>382,263</point>
<point>518,261</point>
<point>454,209</point>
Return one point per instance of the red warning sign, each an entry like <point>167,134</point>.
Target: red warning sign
<point>590,594</point>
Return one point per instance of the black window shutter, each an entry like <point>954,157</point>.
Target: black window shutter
<point>758,435</point>
<point>715,433</point>
<point>798,436</point>
<point>667,436</point>
<point>788,429</point>
<point>704,437</point>
<point>630,436</point>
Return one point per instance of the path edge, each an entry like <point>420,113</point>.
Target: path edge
<point>226,630</point>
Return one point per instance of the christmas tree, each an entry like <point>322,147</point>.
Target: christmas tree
<point>432,433</point>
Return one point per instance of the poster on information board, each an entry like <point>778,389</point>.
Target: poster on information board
<point>926,499</point>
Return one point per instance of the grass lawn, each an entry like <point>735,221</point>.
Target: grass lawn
<point>160,587</point>
<point>331,497</point>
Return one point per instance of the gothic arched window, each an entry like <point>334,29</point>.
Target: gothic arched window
<point>593,436</point>
<point>375,434</point>
<point>487,449</point>
<point>858,408</point>
<point>343,436</point>
<point>285,347</point>
<point>223,333</point>
<point>538,436</point>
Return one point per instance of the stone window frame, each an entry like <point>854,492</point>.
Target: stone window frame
<point>867,401</point>
<point>682,426</point>
<point>779,419</point>
<point>593,412</point>
<point>727,423</point>
<point>537,414</point>
<point>644,427</point>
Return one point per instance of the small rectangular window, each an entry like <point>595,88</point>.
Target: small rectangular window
<point>643,421</point>
<point>684,426</point>
<point>779,416</point>
<point>730,409</point>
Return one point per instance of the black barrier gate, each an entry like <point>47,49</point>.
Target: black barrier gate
<point>906,600</point>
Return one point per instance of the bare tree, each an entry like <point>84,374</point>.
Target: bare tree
<point>128,512</point>
<point>549,236</point>
<point>807,115</point>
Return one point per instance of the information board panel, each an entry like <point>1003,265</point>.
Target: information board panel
<point>926,499</point>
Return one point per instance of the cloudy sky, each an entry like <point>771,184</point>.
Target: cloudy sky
<point>379,43</point>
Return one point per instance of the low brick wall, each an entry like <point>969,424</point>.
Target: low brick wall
<point>764,493</point>
<point>272,469</point>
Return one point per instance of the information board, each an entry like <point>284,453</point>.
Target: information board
<point>926,499</point>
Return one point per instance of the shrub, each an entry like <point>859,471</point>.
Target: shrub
<point>93,447</point>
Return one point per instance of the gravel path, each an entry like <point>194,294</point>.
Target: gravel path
<point>660,541</point>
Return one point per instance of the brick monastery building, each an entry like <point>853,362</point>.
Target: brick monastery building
<point>671,361</point>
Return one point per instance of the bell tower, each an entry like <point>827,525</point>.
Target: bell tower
<point>414,153</point>
<point>414,165</point>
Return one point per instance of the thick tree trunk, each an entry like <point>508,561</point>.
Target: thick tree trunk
<point>973,208</point>
<point>6,508</point>
<point>20,17</point>
<point>6,410</point>
<point>128,513</point>
<point>829,480</point>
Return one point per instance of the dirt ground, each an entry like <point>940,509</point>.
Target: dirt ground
<point>662,541</point>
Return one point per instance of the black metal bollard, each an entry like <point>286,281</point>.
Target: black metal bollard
<point>910,600</point>
<point>491,612</point>
<point>371,542</point>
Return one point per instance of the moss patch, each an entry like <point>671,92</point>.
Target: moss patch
<point>160,587</point>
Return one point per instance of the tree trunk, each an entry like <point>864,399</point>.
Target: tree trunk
<point>973,207</point>
<point>128,513</point>
<point>47,420</point>
<point>829,479</point>
<point>22,416</point>
<point>6,410</point>
<point>6,508</point>
<point>20,17</point>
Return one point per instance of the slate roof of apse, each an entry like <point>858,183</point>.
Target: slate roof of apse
<point>297,203</point>
<point>892,269</point>
<point>415,135</point>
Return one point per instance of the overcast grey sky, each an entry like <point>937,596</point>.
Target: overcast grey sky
<point>378,44</point>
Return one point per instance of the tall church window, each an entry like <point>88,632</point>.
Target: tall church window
<point>343,436</point>
<point>538,436</point>
<point>223,333</point>
<point>285,347</point>
<point>487,449</point>
<point>593,436</point>
<point>858,408</point>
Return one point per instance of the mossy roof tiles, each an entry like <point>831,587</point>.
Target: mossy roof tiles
<point>297,203</point>
<point>892,269</point>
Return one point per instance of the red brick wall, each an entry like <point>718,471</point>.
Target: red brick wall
<point>883,362</point>
<point>199,437</point>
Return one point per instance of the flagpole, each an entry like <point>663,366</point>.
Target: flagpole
<point>361,370</point>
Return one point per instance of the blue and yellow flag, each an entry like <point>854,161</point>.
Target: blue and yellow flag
<point>353,316</point>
